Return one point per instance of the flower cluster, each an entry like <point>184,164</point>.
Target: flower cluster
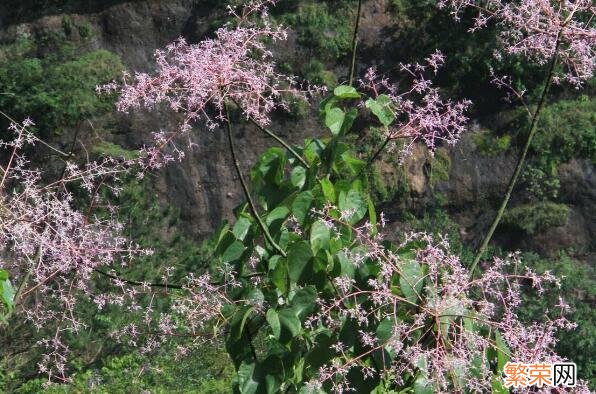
<point>423,319</point>
<point>421,115</point>
<point>537,29</point>
<point>51,248</point>
<point>199,80</point>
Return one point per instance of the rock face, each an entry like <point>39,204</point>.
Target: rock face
<point>204,186</point>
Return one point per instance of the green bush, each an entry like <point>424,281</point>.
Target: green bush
<point>439,166</point>
<point>578,285</point>
<point>59,90</point>
<point>209,372</point>
<point>540,183</point>
<point>535,218</point>
<point>323,26</point>
<point>567,130</point>
<point>489,144</point>
<point>315,72</point>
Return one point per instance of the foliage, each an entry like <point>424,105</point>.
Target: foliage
<point>315,216</point>
<point>58,89</point>
<point>207,372</point>
<point>105,148</point>
<point>489,144</point>
<point>537,217</point>
<point>578,283</point>
<point>323,27</point>
<point>6,294</point>
<point>302,287</point>
<point>567,130</point>
<point>439,166</point>
<point>541,185</point>
<point>315,72</point>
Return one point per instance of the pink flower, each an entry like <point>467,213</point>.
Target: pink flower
<point>197,80</point>
<point>536,29</point>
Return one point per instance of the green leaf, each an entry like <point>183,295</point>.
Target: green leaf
<point>303,302</point>
<point>299,257</point>
<point>352,201</point>
<point>347,267</point>
<point>233,252</point>
<point>290,322</point>
<point>353,164</point>
<point>279,277</point>
<point>349,121</point>
<point>345,92</point>
<point>245,317</point>
<point>247,383</point>
<point>334,119</point>
<point>503,351</point>
<point>298,177</point>
<point>411,278</point>
<point>278,215</point>
<point>273,320</point>
<point>270,167</point>
<point>381,108</point>
<point>422,385</point>
<point>327,104</point>
<point>385,330</point>
<point>372,216</point>
<point>301,206</point>
<point>241,228</point>
<point>319,236</point>
<point>497,386</point>
<point>3,274</point>
<point>7,294</point>
<point>328,189</point>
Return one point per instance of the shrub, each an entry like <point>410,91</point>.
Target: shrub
<point>566,130</point>
<point>58,90</point>
<point>324,27</point>
<point>489,144</point>
<point>535,218</point>
<point>578,284</point>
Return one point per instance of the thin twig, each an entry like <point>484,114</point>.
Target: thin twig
<point>520,163</point>
<point>276,138</point>
<point>282,142</point>
<point>355,43</point>
<point>249,199</point>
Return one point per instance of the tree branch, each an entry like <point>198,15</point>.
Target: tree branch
<point>520,163</point>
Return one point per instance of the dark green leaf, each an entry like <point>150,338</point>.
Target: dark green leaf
<point>279,276</point>
<point>277,215</point>
<point>299,257</point>
<point>233,252</point>
<point>334,119</point>
<point>422,385</point>
<point>411,278</point>
<point>241,228</point>
<point>319,236</point>
<point>247,382</point>
<point>298,177</point>
<point>7,294</point>
<point>273,320</point>
<point>503,351</point>
<point>303,302</point>
<point>345,92</point>
<point>353,202</point>
<point>381,108</point>
<point>328,189</point>
<point>497,386</point>
<point>301,206</point>
<point>385,330</point>
<point>289,322</point>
